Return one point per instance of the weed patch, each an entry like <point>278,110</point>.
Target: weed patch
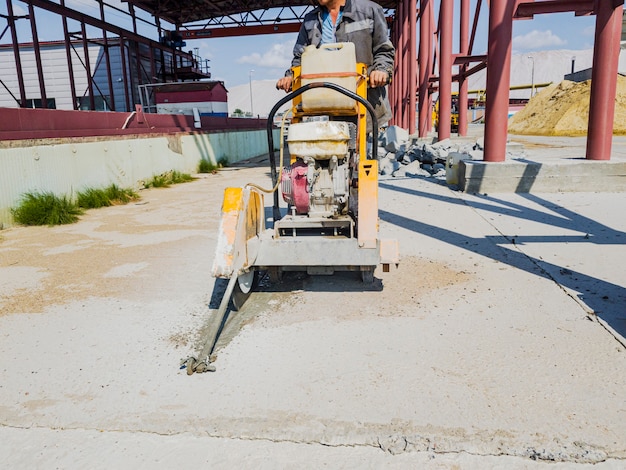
<point>119,195</point>
<point>112,195</point>
<point>46,209</point>
<point>92,198</point>
<point>206,166</point>
<point>166,179</point>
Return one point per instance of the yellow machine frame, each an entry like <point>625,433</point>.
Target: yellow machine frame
<point>245,246</point>
<point>367,232</point>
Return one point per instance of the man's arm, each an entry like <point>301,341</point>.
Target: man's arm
<point>383,50</point>
<point>302,41</point>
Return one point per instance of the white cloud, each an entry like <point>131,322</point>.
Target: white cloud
<point>537,40</point>
<point>18,10</point>
<point>589,31</point>
<point>204,49</point>
<point>278,56</point>
<point>83,6</point>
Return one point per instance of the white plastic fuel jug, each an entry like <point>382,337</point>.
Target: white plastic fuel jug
<point>334,63</point>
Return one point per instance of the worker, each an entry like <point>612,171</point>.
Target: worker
<point>361,22</point>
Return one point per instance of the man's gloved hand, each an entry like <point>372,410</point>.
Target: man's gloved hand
<point>378,78</point>
<point>284,83</point>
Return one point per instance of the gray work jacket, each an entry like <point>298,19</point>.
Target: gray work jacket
<point>363,22</point>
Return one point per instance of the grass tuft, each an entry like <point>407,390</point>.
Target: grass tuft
<point>92,198</point>
<point>46,209</point>
<point>205,166</point>
<point>158,181</point>
<point>113,195</point>
<point>119,195</point>
<point>166,179</point>
<point>177,177</point>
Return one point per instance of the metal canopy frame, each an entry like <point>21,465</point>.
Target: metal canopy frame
<point>414,81</point>
<point>229,13</point>
<point>142,59</point>
<point>436,60</point>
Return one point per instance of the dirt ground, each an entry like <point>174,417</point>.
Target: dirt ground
<point>562,109</point>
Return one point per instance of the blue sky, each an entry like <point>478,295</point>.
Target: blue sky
<point>268,56</point>
<point>237,60</point>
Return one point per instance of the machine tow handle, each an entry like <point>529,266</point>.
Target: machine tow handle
<point>203,363</point>
<point>289,97</point>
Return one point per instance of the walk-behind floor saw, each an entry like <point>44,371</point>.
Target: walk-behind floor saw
<point>330,187</point>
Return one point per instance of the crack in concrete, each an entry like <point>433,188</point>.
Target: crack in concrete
<point>393,444</point>
<point>589,312</point>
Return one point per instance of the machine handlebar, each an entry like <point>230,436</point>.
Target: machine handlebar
<point>298,92</point>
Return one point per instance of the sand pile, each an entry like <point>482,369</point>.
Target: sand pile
<point>563,109</point>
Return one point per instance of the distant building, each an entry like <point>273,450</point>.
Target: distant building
<point>130,68</point>
<point>209,98</point>
<point>579,76</point>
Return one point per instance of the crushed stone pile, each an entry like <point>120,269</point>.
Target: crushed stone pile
<point>563,110</point>
<point>404,156</point>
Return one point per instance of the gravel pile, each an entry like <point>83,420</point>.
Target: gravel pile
<point>400,155</point>
<point>563,110</point>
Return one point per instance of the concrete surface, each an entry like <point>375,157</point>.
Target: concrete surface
<point>498,343</point>
<point>544,164</point>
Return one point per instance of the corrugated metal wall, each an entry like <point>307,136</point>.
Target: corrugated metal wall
<point>56,74</point>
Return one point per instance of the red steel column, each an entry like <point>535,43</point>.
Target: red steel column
<point>463,50</point>
<point>107,61</point>
<point>68,57</point>
<point>431,63</point>
<point>37,51</point>
<point>16,53</point>
<point>425,55</point>
<point>498,79</point>
<point>87,64</point>
<point>412,64</point>
<point>125,78</point>
<point>395,90</point>
<point>604,81</point>
<point>445,68</point>
<point>404,48</point>
<point>399,65</point>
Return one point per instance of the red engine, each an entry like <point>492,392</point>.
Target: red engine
<point>295,188</point>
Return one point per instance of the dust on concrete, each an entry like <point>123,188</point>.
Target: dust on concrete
<point>563,110</point>
<point>341,296</point>
<point>101,255</point>
<point>68,265</point>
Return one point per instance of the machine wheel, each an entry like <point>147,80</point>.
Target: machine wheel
<point>367,274</point>
<point>275,273</point>
<point>243,288</point>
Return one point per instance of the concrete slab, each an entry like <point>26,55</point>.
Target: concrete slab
<point>497,343</point>
<point>527,176</point>
<point>539,164</point>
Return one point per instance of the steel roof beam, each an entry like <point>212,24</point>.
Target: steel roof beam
<point>239,31</point>
<point>91,21</point>
<point>527,10</point>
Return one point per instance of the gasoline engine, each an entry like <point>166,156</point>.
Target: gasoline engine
<point>318,182</point>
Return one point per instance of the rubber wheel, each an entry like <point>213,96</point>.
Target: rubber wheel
<point>275,273</point>
<point>367,274</point>
<point>243,288</point>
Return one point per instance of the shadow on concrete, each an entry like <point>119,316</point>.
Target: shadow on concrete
<point>266,292</point>
<point>526,182</point>
<point>607,300</point>
<point>473,182</point>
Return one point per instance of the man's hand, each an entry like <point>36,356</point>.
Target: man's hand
<point>284,84</point>
<point>378,78</point>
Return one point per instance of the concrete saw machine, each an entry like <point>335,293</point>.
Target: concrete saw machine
<point>330,186</point>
